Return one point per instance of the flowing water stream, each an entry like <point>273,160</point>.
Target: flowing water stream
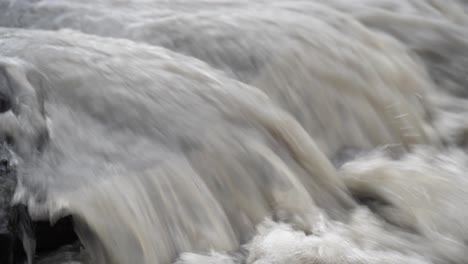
<point>233,131</point>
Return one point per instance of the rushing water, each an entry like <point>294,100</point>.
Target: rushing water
<point>234,131</point>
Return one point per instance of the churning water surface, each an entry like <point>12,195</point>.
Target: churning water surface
<point>234,131</point>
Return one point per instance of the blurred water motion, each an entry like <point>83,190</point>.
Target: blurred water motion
<point>233,131</point>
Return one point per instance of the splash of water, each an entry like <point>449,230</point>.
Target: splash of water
<point>154,153</point>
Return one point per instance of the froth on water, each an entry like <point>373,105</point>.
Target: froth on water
<point>233,131</point>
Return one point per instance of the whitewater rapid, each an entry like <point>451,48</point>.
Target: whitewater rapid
<point>216,131</point>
